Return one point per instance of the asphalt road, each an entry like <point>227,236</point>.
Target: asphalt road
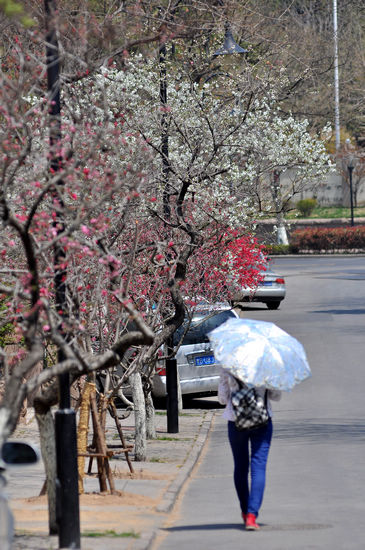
<point>316,477</point>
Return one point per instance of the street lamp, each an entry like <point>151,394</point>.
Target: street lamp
<point>172,404</point>
<point>230,46</point>
<point>350,168</point>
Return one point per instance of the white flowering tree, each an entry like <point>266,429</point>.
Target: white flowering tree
<point>284,146</point>
<point>199,198</point>
<point>232,153</point>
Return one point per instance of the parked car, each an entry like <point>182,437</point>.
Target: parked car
<point>271,291</point>
<point>198,369</point>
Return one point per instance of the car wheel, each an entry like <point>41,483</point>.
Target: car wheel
<point>159,402</point>
<point>273,305</point>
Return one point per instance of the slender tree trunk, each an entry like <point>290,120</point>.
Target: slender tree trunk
<point>83,431</point>
<point>150,417</point>
<point>46,427</point>
<point>179,394</point>
<point>140,447</point>
<point>281,235</point>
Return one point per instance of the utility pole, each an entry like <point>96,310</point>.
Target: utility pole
<point>67,496</point>
<point>337,92</point>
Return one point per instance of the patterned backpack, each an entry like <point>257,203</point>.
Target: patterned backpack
<point>249,407</point>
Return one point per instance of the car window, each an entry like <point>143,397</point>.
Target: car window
<point>199,329</point>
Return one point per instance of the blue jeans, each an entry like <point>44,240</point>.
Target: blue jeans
<point>258,441</point>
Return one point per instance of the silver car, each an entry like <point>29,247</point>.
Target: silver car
<point>271,291</point>
<point>198,369</point>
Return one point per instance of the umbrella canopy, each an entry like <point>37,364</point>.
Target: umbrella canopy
<point>260,353</point>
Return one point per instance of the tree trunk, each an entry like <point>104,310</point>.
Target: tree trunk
<point>179,394</point>
<point>46,427</point>
<point>150,417</point>
<point>282,236</point>
<point>83,430</point>
<point>140,447</point>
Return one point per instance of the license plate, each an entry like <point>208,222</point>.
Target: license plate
<point>205,360</point>
<point>266,283</point>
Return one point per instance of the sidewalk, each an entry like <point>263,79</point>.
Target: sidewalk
<point>130,519</point>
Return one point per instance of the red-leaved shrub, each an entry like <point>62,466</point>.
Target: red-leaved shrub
<point>328,239</point>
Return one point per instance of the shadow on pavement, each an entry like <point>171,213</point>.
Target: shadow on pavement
<point>207,403</point>
<point>240,527</point>
<point>342,311</point>
<point>313,432</point>
<point>206,527</point>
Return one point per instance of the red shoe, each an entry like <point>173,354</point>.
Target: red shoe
<point>251,524</point>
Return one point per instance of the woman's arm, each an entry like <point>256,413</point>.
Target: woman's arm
<point>224,390</point>
<point>274,395</point>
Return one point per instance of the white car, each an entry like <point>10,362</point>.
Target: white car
<point>198,369</point>
<point>271,291</point>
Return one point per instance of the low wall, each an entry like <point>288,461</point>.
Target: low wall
<point>333,191</point>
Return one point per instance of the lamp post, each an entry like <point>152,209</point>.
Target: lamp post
<point>336,77</point>
<point>172,401</point>
<point>350,168</point>
<point>229,47</point>
<point>67,496</point>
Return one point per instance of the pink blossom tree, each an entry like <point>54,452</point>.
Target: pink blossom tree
<point>102,205</point>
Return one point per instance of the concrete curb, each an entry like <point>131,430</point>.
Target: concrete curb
<point>318,255</point>
<point>172,492</point>
<point>176,485</point>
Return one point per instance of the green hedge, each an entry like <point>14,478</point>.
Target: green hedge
<point>274,249</point>
<point>306,206</point>
<point>327,239</point>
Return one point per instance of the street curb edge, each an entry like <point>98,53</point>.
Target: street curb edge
<point>176,485</point>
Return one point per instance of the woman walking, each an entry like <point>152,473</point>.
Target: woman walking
<point>250,449</point>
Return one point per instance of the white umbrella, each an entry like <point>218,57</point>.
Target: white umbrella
<point>260,353</point>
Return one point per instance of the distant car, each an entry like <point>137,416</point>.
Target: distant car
<point>271,291</point>
<point>198,369</point>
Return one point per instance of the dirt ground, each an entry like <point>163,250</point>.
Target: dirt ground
<point>134,506</point>
<point>100,512</point>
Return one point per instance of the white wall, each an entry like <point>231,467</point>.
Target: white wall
<point>332,192</point>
